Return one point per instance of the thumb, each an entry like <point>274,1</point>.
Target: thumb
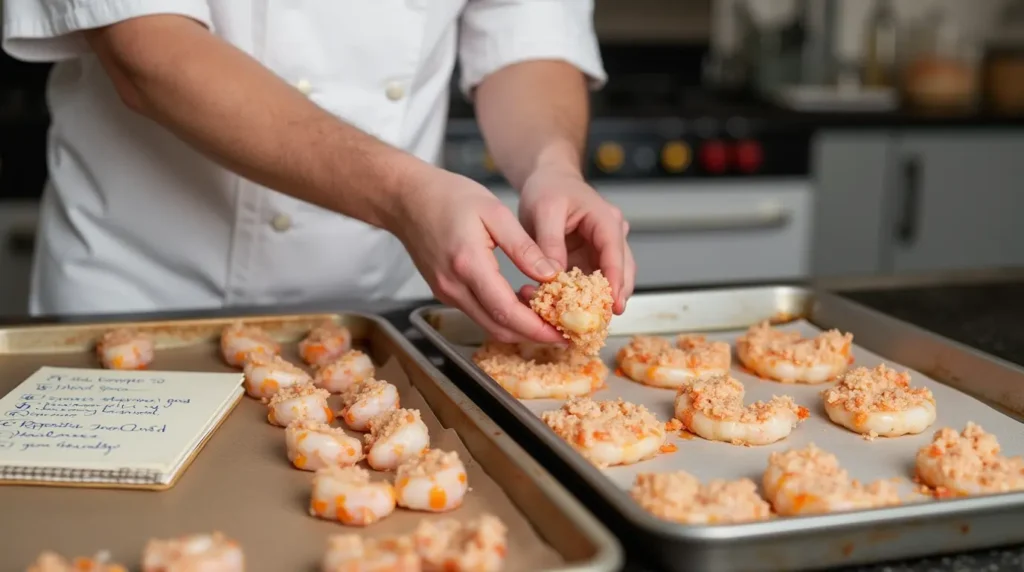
<point>510,237</point>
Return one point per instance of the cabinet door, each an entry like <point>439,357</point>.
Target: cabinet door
<point>958,199</point>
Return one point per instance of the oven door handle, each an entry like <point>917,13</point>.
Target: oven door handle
<point>760,218</point>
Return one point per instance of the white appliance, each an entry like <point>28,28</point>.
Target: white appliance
<point>689,233</point>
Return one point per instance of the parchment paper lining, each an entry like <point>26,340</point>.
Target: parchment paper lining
<point>865,460</point>
<point>241,484</point>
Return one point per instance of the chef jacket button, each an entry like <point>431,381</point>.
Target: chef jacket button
<point>395,91</point>
<point>281,223</point>
<point>304,86</point>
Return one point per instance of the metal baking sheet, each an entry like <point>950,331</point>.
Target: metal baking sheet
<point>243,485</point>
<point>951,370</point>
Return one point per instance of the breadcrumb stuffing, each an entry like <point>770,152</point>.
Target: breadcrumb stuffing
<point>680,497</point>
<point>369,388</point>
<point>762,341</point>
<point>688,352</point>
<point>296,391</point>
<point>576,297</point>
<point>864,390</point>
<point>315,427</point>
<point>582,422</point>
<point>328,331</point>
<point>479,544</point>
<point>430,463</point>
<point>973,456</point>
<point>351,475</point>
<point>388,423</point>
<point>276,363</point>
<point>720,397</point>
<point>346,550</point>
<point>816,474</point>
<point>547,365</point>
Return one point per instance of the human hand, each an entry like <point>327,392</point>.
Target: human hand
<point>451,226</point>
<point>574,225</point>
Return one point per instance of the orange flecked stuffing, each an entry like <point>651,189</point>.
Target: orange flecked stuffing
<point>575,294</point>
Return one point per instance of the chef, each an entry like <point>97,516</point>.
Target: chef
<point>217,153</point>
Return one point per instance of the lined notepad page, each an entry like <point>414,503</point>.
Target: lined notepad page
<point>106,426</point>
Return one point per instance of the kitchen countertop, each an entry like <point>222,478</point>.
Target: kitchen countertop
<point>982,310</point>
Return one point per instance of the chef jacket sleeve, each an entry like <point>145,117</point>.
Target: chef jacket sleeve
<point>497,33</point>
<point>51,30</point>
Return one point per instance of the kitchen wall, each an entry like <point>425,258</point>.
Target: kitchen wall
<point>975,16</point>
<point>652,20</point>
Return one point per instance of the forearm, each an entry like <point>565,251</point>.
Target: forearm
<point>227,105</point>
<point>534,115</point>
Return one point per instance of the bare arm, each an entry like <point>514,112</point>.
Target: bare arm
<point>172,70</point>
<point>534,115</point>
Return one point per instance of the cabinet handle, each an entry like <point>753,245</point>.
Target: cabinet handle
<point>910,199</point>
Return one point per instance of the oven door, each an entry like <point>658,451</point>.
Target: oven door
<point>694,232</point>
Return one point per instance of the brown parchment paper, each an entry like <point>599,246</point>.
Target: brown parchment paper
<point>241,484</point>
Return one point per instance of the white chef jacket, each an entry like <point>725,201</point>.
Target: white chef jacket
<point>134,220</point>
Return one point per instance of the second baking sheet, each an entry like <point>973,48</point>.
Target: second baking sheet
<point>866,460</point>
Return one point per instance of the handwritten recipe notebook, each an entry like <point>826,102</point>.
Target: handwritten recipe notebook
<point>106,427</point>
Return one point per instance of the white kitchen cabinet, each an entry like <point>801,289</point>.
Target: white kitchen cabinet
<point>850,176</point>
<point>956,201</point>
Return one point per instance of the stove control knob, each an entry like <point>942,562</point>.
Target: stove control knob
<point>714,157</point>
<point>610,157</point>
<point>749,156</point>
<point>675,156</point>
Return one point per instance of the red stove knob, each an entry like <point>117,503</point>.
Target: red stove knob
<point>749,156</point>
<point>714,157</point>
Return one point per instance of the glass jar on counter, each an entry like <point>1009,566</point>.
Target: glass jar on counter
<point>1004,62</point>
<point>939,65</point>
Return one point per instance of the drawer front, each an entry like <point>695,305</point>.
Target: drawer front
<point>693,234</point>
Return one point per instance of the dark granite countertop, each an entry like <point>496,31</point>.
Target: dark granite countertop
<point>984,316</point>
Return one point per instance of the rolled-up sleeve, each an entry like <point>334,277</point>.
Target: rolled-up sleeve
<point>498,33</point>
<point>51,30</point>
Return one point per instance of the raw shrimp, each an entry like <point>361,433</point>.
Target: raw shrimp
<point>968,463</point>
<point>53,562</point>
<point>433,482</point>
<point>198,552</point>
<point>540,372</point>
<point>879,402</point>
<point>313,446</point>
<point>265,376</point>
<point>352,368</point>
<point>579,306</point>
<point>125,349</point>
<point>680,497</point>
<point>238,341</point>
<point>448,545</point>
<point>713,408</point>
<point>361,403</point>
<point>790,358</point>
<point>395,437</point>
<point>300,401</point>
<point>607,433</point>
<point>809,481</point>
<point>347,495</point>
<point>353,553</point>
<point>325,344</point>
<point>654,361</point>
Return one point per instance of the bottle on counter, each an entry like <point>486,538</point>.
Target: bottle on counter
<point>880,45</point>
